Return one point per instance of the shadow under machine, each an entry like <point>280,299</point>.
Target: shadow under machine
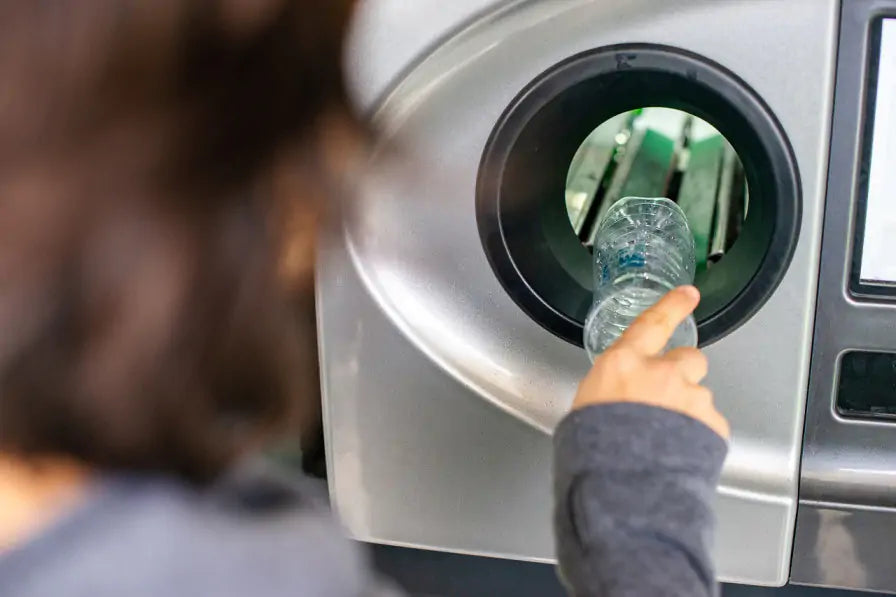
<point>451,305</point>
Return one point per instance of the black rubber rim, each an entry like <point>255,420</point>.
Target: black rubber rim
<point>519,201</point>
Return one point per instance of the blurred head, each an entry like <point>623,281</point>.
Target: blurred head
<point>162,167</point>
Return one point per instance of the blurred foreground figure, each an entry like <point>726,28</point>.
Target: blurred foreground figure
<point>161,168</point>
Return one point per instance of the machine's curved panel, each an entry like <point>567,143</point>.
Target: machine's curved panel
<point>414,243</point>
<point>387,36</point>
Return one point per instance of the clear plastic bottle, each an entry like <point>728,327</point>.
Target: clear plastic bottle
<point>643,249</point>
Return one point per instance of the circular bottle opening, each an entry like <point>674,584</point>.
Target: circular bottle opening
<point>661,152</point>
<point>730,166</point>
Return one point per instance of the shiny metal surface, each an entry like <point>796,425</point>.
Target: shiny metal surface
<point>847,481</point>
<point>388,36</point>
<point>414,457</point>
<point>418,336</point>
<point>845,547</point>
<point>590,167</point>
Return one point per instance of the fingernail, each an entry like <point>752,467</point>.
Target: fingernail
<point>691,291</point>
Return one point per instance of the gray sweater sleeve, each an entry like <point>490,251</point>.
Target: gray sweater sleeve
<point>633,489</point>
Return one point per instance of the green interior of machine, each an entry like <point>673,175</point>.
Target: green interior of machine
<point>661,152</point>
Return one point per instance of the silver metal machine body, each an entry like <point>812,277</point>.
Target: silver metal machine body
<point>846,526</point>
<point>440,391</point>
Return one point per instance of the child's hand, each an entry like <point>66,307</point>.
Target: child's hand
<point>634,370</point>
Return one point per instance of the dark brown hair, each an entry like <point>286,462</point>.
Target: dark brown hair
<point>145,318</point>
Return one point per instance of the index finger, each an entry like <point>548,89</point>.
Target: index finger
<point>651,331</point>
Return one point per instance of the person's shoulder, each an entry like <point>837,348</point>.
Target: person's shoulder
<point>258,532</point>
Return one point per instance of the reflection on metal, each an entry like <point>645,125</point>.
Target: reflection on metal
<point>615,180</point>
<point>661,152</point>
<point>728,184</point>
<point>589,166</point>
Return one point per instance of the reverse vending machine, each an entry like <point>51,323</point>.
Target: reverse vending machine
<point>451,301</point>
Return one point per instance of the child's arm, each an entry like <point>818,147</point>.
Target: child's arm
<point>636,466</point>
<point>634,486</point>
